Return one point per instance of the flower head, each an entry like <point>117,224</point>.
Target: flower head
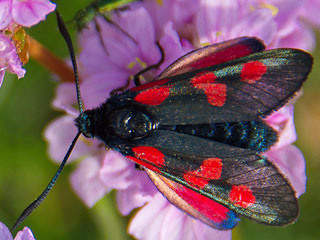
<point>13,15</point>
<point>107,61</point>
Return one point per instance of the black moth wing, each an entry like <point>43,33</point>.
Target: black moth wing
<point>286,70</point>
<point>184,157</point>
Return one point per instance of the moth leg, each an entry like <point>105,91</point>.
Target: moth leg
<point>136,77</point>
<point>120,28</point>
<point>120,89</point>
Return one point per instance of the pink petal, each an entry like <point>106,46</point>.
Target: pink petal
<point>311,10</point>
<point>179,13</point>
<point>25,234</point>
<point>260,23</point>
<point>5,13</point>
<point>59,134</point>
<point>148,52</point>
<point>2,72</point>
<point>86,182</point>
<point>205,232</point>
<point>291,162</point>
<point>66,98</point>
<point>9,59</point>
<point>222,20</point>
<point>93,58</point>
<point>95,90</point>
<point>170,42</point>
<point>283,122</point>
<point>31,12</point>
<point>161,220</point>
<point>4,232</point>
<point>116,170</point>
<point>121,49</point>
<point>147,222</point>
<point>216,17</point>
<point>140,192</point>
<point>300,36</point>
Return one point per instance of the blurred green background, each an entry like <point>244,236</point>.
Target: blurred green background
<point>25,169</point>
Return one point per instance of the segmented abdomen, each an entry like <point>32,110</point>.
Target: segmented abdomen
<point>254,135</point>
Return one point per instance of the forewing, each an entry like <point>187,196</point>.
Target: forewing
<point>237,178</point>
<point>243,89</point>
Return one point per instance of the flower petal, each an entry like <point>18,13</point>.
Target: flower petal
<point>86,182</point>
<point>5,13</point>
<point>9,59</point>
<point>291,162</point>
<point>116,170</point>
<point>4,232</point>
<point>25,234</point>
<point>161,220</point>
<point>282,121</point>
<point>30,12</point>
<point>140,192</point>
<point>59,134</point>
<point>66,98</point>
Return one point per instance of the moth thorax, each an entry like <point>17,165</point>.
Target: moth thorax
<point>129,123</point>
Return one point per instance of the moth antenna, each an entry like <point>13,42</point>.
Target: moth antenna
<point>44,194</point>
<point>64,31</point>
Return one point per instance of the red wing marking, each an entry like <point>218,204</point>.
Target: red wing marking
<point>210,169</point>
<point>206,206</point>
<point>242,196</point>
<point>222,56</point>
<point>150,85</point>
<point>153,96</point>
<point>148,157</point>
<point>253,71</point>
<point>216,92</point>
<point>149,154</point>
<point>207,77</point>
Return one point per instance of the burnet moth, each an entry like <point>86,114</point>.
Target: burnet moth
<point>198,130</point>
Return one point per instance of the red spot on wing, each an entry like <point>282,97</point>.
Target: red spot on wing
<point>216,92</point>
<point>210,169</point>
<point>209,208</point>
<point>207,77</point>
<point>242,196</point>
<point>253,71</point>
<point>153,96</point>
<point>150,85</point>
<point>149,154</point>
<point>222,56</point>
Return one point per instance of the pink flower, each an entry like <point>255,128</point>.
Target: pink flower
<point>310,12</point>
<point>9,60</point>
<point>106,65</point>
<point>12,14</point>
<point>24,12</point>
<point>25,234</point>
